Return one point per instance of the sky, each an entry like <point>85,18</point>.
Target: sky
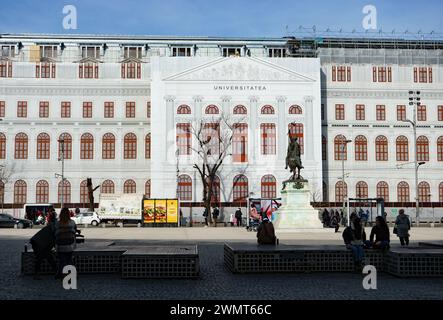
<point>230,18</point>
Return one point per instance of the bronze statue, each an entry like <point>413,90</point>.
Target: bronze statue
<point>293,160</point>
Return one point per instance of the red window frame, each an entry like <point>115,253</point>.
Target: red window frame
<point>440,148</point>
<point>421,113</point>
<point>43,146</point>
<point>424,191</point>
<point>240,143</point>
<point>360,112</point>
<point>383,191</point>
<point>42,192</point>
<point>422,148</point>
<point>401,112</point>
<point>334,73</point>
<point>87,109</point>
<point>268,187</point>
<point>130,146</point>
<point>341,191</point>
<point>5,69</point>
<point>148,146</point>
<point>130,109</point>
<point>66,187</point>
<point>107,187</point>
<point>148,110</point>
<point>339,112</point>
<point>88,70</point>
<point>341,74</point>
<point>131,70</point>
<point>295,109</point>
<point>440,191</point>
<point>382,74</point>
<point>87,147</point>
<point>65,109</point>
<point>148,189</point>
<point>267,110</point>
<point>402,147</point>
<point>22,109</point>
<point>84,192</point>
<point>129,187</point>
<point>361,148</point>
<point>183,138</point>
<point>44,109</point>
<point>2,146</point>
<point>361,190</point>
<point>268,139</point>
<point>240,189</point>
<point>20,192</point>
<point>212,109</point>
<point>423,75</point>
<point>381,148</point>
<point>184,188</point>
<point>108,146</point>
<point>109,110</point>
<point>439,111</point>
<point>339,143</point>
<point>21,146</point>
<point>2,109</point>
<point>184,109</point>
<point>211,133</point>
<point>67,146</point>
<point>381,112</point>
<point>240,109</point>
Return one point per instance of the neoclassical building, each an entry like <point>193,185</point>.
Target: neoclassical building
<point>124,105</point>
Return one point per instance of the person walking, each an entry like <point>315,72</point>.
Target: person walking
<point>381,234</point>
<point>354,238</point>
<point>402,227</point>
<point>336,221</point>
<point>65,230</point>
<point>215,214</point>
<point>238,217</point>
<point>205,215</point>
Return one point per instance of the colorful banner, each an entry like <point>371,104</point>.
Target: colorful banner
<point>258,207</point>
<point>172,211</point>
<point>148,211</point>
<point>160,211</point>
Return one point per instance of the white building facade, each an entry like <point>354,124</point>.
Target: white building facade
<point>120,102</point>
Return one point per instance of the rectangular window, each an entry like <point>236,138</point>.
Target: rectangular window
<point>276,53</point>
<point>415,75</point>
<point>389,74</point>
<point>374,74</point>
<point>48,52</point>
<point>430,75</point>
<point>240,143</point>
<point>66,109</point>
<point>45,70</point>
<point>181,51</point>
<point>440,113</point>
<point>87,109</point>
<point>148,110</point>
<point>401,113</point>
<point>381,112</point>
<point>130,109</point>
<point>381,74</point>
<point>131,70</point>
<point>44,109</point>
<point>133,52</point>
<point>339,112</point>
<point>109,109</point>
<point>211,134</point>
<point>184,138</point>
<point>268,139</point>
<point>334,73</point>
<point>232,52</point>
<point>423,75</point>
<point>92,52</point>
<point>2,109</point>
<point>341,74</point>
<point>88,70</point>
<point>360,112</point>
<point>421,113</point>
<point>8,51</point>
<point>5,69</point>
<point>22,109</point>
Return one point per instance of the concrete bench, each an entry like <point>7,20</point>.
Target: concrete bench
<point>128,261</point>
<point>415,262</point>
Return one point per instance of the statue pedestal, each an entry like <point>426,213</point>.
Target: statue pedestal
<point>296,213</point>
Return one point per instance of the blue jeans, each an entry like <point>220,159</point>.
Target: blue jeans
<point>358,253</point>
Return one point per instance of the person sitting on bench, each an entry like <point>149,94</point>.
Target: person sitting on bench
<point>266,232</point>
<point>381,233</point>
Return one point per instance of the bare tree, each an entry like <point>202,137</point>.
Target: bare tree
<point>6,172</point>
<point>316,195</point>
<point>214,139</point>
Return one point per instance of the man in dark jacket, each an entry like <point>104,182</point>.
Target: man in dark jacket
<point>266,233</point>
<point>238,217</point>
<point>215,214</point>
<point>42,243</point>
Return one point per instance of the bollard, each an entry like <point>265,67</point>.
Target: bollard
<point>139,225</point>
<point>103,225</point>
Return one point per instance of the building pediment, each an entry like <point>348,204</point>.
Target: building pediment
<point>89,60</point>
<point>240,69</point>
<point>131,60</point>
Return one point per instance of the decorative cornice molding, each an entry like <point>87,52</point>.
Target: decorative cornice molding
<point>44,91</point>
<point>169,98</point>
<point>281,98</point>
<point>400,94</point>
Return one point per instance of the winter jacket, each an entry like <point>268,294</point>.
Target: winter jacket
<point>44,240</point>
<point>266,233</point>
<point>380,234</point>
<point>403,225</point>
<point>65,236</point>
<point>350,237</point>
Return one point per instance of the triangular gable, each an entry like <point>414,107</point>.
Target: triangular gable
<point>89,60</point>
<point>239,69</point>
<point>131,59</point>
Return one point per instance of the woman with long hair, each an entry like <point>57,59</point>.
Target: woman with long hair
<point>65,230</point>
<point>354,238</point>
<point>381,234</point>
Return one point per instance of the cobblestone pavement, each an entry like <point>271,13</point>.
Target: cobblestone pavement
<point>216,282</point>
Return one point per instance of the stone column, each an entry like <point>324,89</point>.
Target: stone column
<point>309,128</point>
<point>169,113</point>
<point>254,130</point>
<point>282,128</point>
<point>226,103</point>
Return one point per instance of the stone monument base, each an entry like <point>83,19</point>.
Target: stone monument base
<point>296,215</point>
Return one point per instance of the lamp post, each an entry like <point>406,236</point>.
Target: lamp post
<point>62,159</point>
<point>343,145</point>
<point>414,101</point>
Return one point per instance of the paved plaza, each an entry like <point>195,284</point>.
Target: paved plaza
<point>216,282</point>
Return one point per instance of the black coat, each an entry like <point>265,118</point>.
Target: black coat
<point>350,235</point>
<point>380,234</point>
<point>44,240</point>
<point>238,214</point>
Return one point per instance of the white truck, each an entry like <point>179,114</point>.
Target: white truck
<point>120,209</point>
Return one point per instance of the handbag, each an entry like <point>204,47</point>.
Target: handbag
<point>395,230</point>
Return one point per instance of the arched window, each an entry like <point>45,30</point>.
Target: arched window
<point>439,148</point>
<point>130,145</point>
<point>215,190</point>
<point>324,148</point>
<point>295,110</point>
<point>87,146</point>
<point>64,192</point>
<point>20,189</point>
<point>402,145</point>
<point>361,148</point>
<point>2,146</point>
<point>340,148</point>
<point>107,187</point>
<point>383,191</point>
<point>361,190</point>
<point>148,146</point>
<point>212,109</point>
<point>267,110</point>
<point>21,146</point>
<point>440,192</point>
<point>240,188</point>
<point>422,149</point>
<point>130,187</point>
<point>240,142</point>
<point>381,148</point>
<point>148,189</point>
<point>240,110</point>
<point>67,146</point>
<point>403,192</point>
<point>43,146</point>
<point>341,191</point>
<point>42,192</point>
<point>296,130</point>
<point>184,109</point>
<point>268,187</point>
<point>108,146</point>
<point>184,188</point>
<point>84,193</point>
<point>424,192</point>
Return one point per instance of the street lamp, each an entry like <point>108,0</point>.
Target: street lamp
<point>62,159</point>
<point>343,145</point>
<point>414,101</point>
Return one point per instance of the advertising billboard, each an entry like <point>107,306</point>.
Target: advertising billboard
<point>119,206</point>
<point>160,212</point>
